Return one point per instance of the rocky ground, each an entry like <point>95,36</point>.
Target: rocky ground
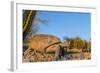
<point>42,48</point>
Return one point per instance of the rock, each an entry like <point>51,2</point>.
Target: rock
<point>74,50</point>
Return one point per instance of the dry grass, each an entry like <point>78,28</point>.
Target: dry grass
<point>36,53</point>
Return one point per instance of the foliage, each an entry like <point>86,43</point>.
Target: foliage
<point>78,43</point>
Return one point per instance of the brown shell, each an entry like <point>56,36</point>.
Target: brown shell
<point>52,48</point>
<point>40,41</point>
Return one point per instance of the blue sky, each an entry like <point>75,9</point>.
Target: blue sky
<point>61,24</point>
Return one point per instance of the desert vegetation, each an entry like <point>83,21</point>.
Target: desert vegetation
<point>43,47</point>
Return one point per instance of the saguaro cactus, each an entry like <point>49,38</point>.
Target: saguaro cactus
<point>28,19</point>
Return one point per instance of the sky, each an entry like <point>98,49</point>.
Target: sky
<point>65,24</point>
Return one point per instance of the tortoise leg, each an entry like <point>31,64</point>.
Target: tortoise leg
<point>57,54</point>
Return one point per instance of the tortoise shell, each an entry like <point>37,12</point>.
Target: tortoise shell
<point>41,42</point>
